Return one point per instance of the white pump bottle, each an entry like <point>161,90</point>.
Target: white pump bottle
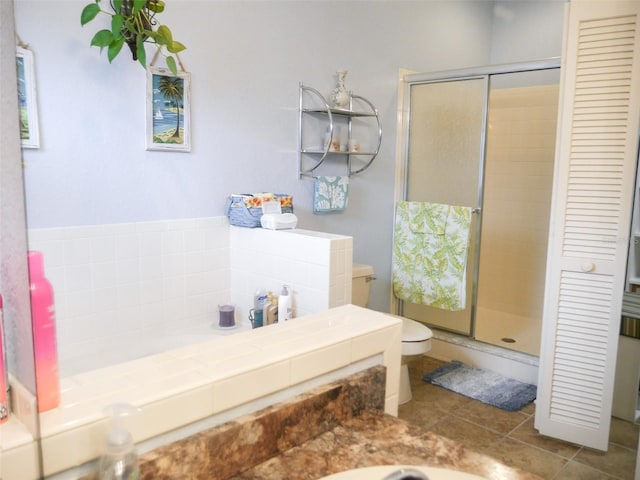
<point>284,305</point>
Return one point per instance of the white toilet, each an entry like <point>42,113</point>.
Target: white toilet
<point>416,337</point>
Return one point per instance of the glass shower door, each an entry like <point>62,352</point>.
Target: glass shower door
<point>444,165</point>
<point>488,141</point>
<point>518,181</point>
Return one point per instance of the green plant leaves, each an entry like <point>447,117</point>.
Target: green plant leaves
<point>141,52</point>
<point>89,13</point>
<point>131,21</point>
<point>128,25</point>
<point>171,63</point>
<point>175,47</point>
<point>116,25</point>
<point>164,35</point>
<point>156,6</point>
<point>137,6</point>
<point>102,39</point>
<point>114,48</point>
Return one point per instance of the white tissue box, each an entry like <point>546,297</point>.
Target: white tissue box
<point>278,221</point>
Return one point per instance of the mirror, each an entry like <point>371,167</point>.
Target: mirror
<point>14,282</point>
<point>113,219</point>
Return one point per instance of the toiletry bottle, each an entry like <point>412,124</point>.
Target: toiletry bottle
<point>284,305</point>
<point>4,379</point>
<point>267,307</point>
<point>44,335</point>
<point>272,309</point>
<point>119,460</point>
<point>259,304</point>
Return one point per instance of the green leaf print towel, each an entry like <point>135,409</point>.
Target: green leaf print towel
<point>431,243</point>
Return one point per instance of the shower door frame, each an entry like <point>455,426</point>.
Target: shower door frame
<point>408,79</point>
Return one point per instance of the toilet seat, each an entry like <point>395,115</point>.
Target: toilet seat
<point>413,331</point>
<point>416,337</point>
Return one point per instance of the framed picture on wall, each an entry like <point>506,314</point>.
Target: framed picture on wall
<point>168,110</point>
<point>27,104</point>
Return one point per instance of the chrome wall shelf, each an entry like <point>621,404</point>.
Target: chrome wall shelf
<point>320,140</point>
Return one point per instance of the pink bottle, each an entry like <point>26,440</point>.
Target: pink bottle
<point>4,401</point>
<point>44,335</point>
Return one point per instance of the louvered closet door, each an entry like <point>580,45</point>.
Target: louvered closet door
<point>591,212</point>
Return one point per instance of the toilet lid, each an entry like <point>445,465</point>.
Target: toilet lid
<point>413,331</point>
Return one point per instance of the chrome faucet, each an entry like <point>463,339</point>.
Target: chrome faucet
<point>406,474</point>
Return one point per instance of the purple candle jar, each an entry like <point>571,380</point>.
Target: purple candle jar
<point>227,316</point>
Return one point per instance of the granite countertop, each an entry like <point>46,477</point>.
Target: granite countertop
<point>339,426</point>
<point>375,438</point>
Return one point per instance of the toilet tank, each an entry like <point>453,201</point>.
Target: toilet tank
<point>361,281</point>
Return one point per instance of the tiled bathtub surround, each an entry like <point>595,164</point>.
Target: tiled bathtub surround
<point>317,266</point>
<point>163,281</point>
<point>115,284</point>
<point>151,287</point>
<point>221,379</point>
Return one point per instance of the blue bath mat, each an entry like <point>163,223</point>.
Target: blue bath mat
<point>488,387</point>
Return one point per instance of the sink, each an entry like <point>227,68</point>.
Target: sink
<point>380,472</point>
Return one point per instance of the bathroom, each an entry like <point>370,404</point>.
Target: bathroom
<point>93,170</point>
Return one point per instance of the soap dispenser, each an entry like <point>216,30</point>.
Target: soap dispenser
<point>119,460</point>
<point>284,305</point>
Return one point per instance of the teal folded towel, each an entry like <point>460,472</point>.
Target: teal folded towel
<point>331,194</point>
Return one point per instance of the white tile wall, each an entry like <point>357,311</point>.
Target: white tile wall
<point>124,283</point>
<point>316,265</point>
<point>131,281</point>
<point>517,199</point>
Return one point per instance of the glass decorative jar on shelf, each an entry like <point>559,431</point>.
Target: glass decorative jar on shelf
<point>340,96</point>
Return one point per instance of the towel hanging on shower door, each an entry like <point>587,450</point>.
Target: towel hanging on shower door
<point>431,244</point>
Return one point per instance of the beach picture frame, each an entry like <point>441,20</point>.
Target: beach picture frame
<point>168,110</point>
<point>27,101</point>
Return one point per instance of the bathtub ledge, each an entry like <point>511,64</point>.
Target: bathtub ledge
<point>192,388</point>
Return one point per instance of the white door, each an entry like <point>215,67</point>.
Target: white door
<point>590,219</point>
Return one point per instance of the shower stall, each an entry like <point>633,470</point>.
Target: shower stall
<point>485,138</point>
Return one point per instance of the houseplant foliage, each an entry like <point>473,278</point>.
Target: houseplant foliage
<point>132,22</point>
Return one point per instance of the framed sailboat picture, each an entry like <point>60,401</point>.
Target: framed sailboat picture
<point>27,105</point>
<point>168,110</point>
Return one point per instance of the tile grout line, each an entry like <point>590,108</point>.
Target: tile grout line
<point>567,459</point>
<point>542,450</point>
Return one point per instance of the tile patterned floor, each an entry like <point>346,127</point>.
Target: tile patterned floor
<point>510,436</point>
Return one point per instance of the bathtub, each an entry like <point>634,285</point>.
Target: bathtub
<point>106,352</point>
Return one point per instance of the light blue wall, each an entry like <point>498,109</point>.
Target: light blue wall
<point>524,31</point>
<point>246,59</point>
